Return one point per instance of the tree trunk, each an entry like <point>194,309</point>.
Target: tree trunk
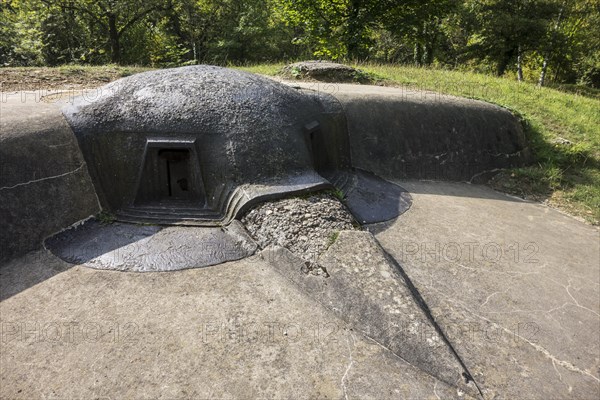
<point>428,51</point>
<point>429,36</point>
<point>557,71</point>
<point>542,79</point>
<point>503,64</point>
<point>519,65</point>
<point>427,55</point>
<point>418,55</point>
<point>543,73</point>
<point>115,46</point>
<point>354,31</point>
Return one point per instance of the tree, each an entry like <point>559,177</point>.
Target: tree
<point>418,23</point>
<point>335,29</point>
<point>571,47</point>
<point>20,34</point>
<point>505,29</point>
<point>113,17</point>
<point>223,31</point>
<point>64,38</point>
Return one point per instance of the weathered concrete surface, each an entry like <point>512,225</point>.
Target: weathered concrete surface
<point>324,71</point>
<point>305,226</point>
<point>402,133</point>
<point>239,128</point>
<point>526,323</point>
<point>44,183</point>
<point>235,331</point>
<point>150,248</point>
<point>514,284</point>
<point>363,288</point>
<point>370,198</point>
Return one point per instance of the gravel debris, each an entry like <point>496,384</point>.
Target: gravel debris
<point>306,226</point>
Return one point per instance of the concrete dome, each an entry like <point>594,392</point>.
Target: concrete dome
<point>179,143</point>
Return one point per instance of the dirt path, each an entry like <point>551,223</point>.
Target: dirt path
<point>68,77</point>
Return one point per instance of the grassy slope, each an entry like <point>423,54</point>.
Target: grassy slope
<point>566,173</point>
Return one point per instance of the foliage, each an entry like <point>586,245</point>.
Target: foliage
<point>105,218</point>
<point>332,238</point>
<point>556,39</point>
<point>20,35</point>
<point>506,28</point>
<point>420,25</point>
<point>338,194</point>
<point>332,29</point>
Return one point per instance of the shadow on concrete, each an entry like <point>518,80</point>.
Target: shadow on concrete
<point>150,248</point>
<point>93,238</point>
<point>21,273</point>
<point>370,198</point>
<point>455,189</point>
<point>65,250</point>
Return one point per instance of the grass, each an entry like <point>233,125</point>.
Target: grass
<point>105,217</point>
<point>108,70</point>
<point>562,125</point>
<point>576,89</point>
<point>338,194</point>
<point>332,238</point>
<point>263,69</point>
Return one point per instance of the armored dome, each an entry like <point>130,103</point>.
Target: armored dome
<point>196,144</point>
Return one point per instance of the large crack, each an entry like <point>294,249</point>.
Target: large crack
<point>421,302</point>
<point>565,364</point>
<point>364,334</point>
<point>42,179</point>
<point>350,363</point>
<point>281,223</point>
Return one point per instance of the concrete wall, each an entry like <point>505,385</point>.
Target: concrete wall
<point>44,182</point>
<point>398,133</point>
<point>45,185</point>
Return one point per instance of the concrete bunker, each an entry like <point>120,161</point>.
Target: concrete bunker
<point>201,145</point>
<point>198,145</point>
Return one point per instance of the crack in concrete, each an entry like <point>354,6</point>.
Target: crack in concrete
<point>42,179</point>
<point>492,295</point>
<point>425,308</point>
<point>512,274</point>
<point>569,387</point>
<point>60,145</point>
<point>517,311</point>
<point>484,172</point>
<point>574,303</point>
<point>575,300</point>
<point>507,155</point>
<point>343,381</point>
<point>565,364</point>
<point>435,390</point>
